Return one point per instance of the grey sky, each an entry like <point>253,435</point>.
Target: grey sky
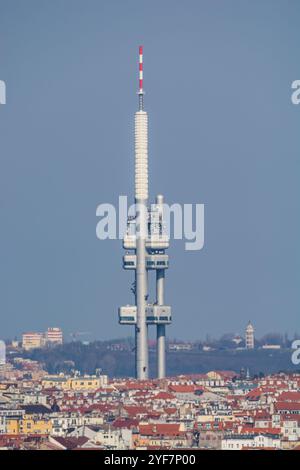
<point>223,132</point>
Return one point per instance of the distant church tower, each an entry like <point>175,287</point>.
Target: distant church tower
<point>249,336</point>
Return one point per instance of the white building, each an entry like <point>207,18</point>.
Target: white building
<point>119,439</point>
<point>54,336</point>
<point>241,441</point>
<point>249,336</point>
<point>6,414</point>
<point>290,428</point>
<point>62,422</point>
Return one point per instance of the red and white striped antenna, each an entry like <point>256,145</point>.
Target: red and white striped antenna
<point>141,91</point>
<point>141,69</point>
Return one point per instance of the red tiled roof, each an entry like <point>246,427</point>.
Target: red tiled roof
<point>127,423</point>
<point>164,396</point>
<point>135,410</point>
<point>142,393</point>
<point>138,385</point>
<point>182,388</point>
<point>71,443</point>
<point>289,396</point>
<point>254,394</point>
<point>252,430</point>
<point>257,392</point>
<point>160,429</point>
<point>170,411</point>
<point>286,405</point>
<point>103,407</point>
<point>290,417</point>
<point>261,415</point>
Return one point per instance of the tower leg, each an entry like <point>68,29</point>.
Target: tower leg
<point>161,329</point>
<point>161,351</point>
<point>142,365</point>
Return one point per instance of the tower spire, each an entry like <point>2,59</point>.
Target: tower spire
<point>141,91</point>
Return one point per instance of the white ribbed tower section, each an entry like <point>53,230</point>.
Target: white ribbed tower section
<point>141,156</point>
<point>141,200</point>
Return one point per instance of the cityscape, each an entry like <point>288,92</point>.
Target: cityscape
<point>198,350</point>
<point>216,410</point>
<point>219,410</point>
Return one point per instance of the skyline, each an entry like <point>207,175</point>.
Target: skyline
<point>88,337</point>
<point>233,146</point>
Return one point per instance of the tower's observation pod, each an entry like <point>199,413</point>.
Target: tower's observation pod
<point>147,239</point>
<point>156,237</point>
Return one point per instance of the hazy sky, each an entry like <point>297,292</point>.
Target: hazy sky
<point>223,132</point>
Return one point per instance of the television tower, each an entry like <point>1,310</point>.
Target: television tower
<point>146,236</point>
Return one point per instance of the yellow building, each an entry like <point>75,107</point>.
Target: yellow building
<point>55,381</point>
<point>28,424</point>
<point>213,375</point>
<point>86,382</point>
<point>12,425</point>
<point>3,386</point>
<point>32,340</point>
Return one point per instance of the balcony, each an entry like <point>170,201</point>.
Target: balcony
<point>155,315</point>
<point>159,261</point>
